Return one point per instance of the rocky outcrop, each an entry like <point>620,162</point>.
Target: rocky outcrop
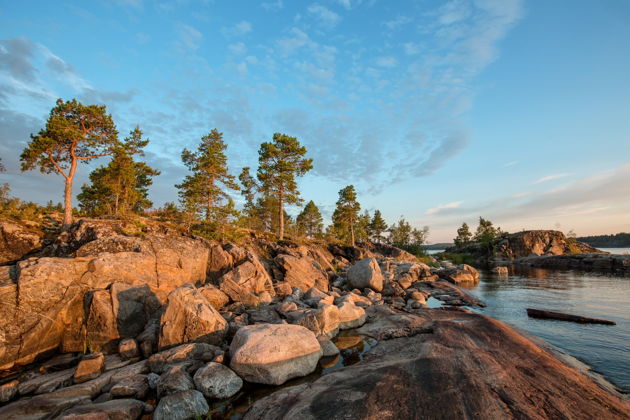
<point>463,273</point>
<point>482,366</point>
<point>539,242</point>
<point>584,262</point>
<point>189,317</point>
<point>273,354</point>
<point>366,274</point>
<point>17,239</point>
<point>247,280</point>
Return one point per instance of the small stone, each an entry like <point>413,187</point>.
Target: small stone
<point>8,391</point>
<point>128,348</point>
<point>174,380</point>
<point>182,405</point>
<point>152,380</point>
<point>328,347</point>
<point>215,380</point>
<point>90,367</point>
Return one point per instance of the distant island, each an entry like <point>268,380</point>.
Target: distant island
<point>618,240</point>
<point>438,246</point>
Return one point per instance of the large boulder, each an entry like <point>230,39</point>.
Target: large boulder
<point>245,282</point>
<point>350,315</point>
<point>17,239</point>
<point>188,316</point>
<point>273,354</point>
<point>366,274</point>
<point>463,273</point>
<point>302,272</point>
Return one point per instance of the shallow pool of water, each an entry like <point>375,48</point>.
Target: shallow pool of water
<point>605,348</point>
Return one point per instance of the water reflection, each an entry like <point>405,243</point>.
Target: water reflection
<point>605,348</point>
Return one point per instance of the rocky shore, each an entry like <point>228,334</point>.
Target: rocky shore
<point>111,322</point>
<point>585,262</point>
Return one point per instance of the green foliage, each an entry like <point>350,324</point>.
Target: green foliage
<point>464,236</point>
<point>310,222</point>
<point>280,162</point>
<point>618,240</point>
<point>250,216</point>
<point>14,208</point>
<point>486,233</point>
<point>121,187</point>
<point>362,233</point>
<point>402,235</point>
<point>203,193</point>
<point>345,216</point>
<point>457,258</point>
<point>73,133</point>
<point>377,227</point>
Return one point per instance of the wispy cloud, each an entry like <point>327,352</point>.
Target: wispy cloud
<point>508,164</point>
<point>242,28</point>
<point>443,208</point>
<point>386,61</point>
<point>325,16</point>
<point>551,178</point>
<point>189,38</point>
<point>400,20</point>
<point>273,5</point>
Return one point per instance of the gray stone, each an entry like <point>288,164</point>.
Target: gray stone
<point>135,386</point>
<point>174,380</point>
<point>182,405</point>
<point>215,380</point>
<point>366,273</point>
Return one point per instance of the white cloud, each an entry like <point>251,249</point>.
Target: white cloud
<point>398,21</point>
<point>345,3</point>
<point>508,164</point>
<point>273,5</point>
<point>551,178</point>
<point>443,208</point>
<point>326,17</point>
<point>239,29</point>
<point>387,62</point>
<point>238,48</point>
<point>411,48</point>
<point>189,38</point>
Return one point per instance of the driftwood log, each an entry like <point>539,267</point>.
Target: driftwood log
<point>543,314</point>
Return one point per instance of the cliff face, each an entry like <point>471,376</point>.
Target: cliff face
<point>539,243</point>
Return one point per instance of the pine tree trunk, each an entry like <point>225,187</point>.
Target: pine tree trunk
<point>352,232</point>
<point>67,199</point>
<point>281,214</point>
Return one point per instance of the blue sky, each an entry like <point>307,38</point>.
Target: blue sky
<point>440,112</point>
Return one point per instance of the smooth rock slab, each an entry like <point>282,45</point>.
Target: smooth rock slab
<point>181,406</point>
<point>135,386</point>
<point>123,409</point>
<point>273,354</point>
<point>215,380</point>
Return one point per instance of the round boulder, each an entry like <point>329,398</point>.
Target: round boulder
<point>274,353</point>
<point>366,273</point>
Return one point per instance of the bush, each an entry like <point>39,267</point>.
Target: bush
<point>457,258</point>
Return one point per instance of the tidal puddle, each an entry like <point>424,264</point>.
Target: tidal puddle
<point>352,349</point>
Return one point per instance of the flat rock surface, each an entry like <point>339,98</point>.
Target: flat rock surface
<point>470,366</point>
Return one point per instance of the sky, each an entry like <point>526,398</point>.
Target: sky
<point>437,111</point>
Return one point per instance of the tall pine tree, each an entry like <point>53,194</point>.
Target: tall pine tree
<point>121,187</point>
<point>310,222</point>
<point>280,162</point>
<point>346,215</point>
<point>377,226</point>
<point>204,192</point>
<point>74,133</point>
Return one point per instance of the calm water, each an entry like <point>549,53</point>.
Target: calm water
<point>603,347</point>
<point>622,251</point>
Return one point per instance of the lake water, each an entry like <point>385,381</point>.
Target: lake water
<point>621,251</point>
<point>605,348</point>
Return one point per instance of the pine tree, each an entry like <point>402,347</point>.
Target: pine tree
<point>486,233</point>
<point>74,133</point>
<point>248,190</point>
<point>203,193</point>
<point>464,236</point>
<point>310,222</point>
<point>121,187</point>
<point>362,233</point>
<point>404,236</point>
<point>377,227</point>
<point>280,161</point>
<point>346,214</point>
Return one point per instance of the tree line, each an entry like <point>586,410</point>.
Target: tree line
<point>75,133</point>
